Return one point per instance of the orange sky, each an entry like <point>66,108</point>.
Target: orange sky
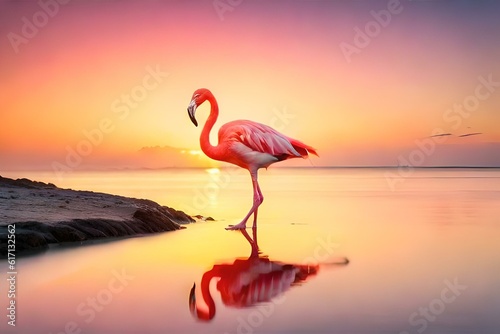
<point>279,63</point>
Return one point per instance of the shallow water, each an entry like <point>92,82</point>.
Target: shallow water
<point>422,244</point>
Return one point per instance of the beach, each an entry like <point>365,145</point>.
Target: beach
<point>43,214</point>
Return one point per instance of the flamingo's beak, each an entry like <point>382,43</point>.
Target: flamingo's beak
<point>191,110</point>
<point>192,301</point>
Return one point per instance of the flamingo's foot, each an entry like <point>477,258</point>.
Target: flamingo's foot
<point>240,226</point>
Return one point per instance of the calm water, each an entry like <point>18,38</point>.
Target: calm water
<point>424,255</point>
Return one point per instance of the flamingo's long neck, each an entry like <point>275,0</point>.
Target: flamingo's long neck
<point>206,147</point>
<point>207,297</point>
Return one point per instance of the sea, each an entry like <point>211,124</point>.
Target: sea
<point>374,250</point>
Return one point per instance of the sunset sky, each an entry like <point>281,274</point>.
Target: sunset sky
<point>107,78</point>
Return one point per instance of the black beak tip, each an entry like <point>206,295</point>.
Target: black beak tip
<point>191,293</point>
<point>191,117</point>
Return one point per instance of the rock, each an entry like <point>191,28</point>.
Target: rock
<point>203,218</point>
<point>24,183</point>
<point>40,220</point>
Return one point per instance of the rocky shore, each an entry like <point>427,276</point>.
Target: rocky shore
<point>44,214</point>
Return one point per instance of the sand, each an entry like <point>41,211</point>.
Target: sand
<point>44,214</point>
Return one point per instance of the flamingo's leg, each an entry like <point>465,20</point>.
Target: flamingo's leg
<point>261,199</point>
<point>255,218</point>
<point>255,249</point>
<point>257,200</point>
<point>253,242</point>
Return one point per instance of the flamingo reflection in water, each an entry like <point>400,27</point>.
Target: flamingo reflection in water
<point>248,282</point>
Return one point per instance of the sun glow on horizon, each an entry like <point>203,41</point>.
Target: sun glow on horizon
<point>213,171</point>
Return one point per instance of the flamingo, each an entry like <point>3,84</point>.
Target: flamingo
<point>249,282</point>
<point>247,144</point>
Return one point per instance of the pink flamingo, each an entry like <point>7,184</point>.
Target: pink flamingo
<point>251,281</point>
<point>247,144</point>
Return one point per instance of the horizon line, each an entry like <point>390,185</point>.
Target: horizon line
<point>124,169</point>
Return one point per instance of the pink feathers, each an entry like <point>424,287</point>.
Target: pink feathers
<point>247,144</point>
<point>264,139</point>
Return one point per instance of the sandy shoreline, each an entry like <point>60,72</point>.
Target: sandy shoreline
<point>44,214</point>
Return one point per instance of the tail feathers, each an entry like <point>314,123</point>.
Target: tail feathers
<point>312,151</point>
<point>304,271</point>
<point>303,149</point>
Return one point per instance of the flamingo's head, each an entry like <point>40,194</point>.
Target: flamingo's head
<point>199,96</point>
<point>198,313</point>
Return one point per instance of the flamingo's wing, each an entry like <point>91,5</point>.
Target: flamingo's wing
<point>263,281</point>
<point>264,139</point>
